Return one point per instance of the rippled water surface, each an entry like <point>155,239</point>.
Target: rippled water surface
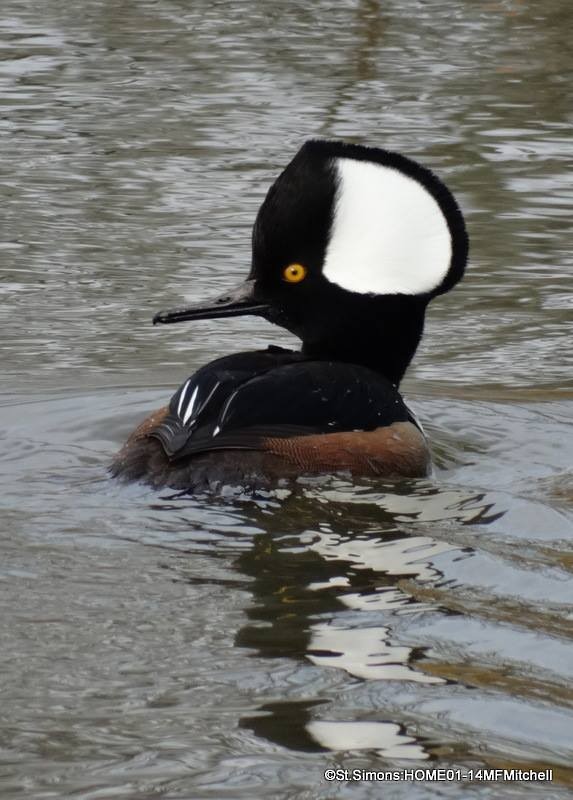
<point>237,646</point>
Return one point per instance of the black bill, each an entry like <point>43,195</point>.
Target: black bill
<point>240,300</point>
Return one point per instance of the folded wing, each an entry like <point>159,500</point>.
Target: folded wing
<point>237,401</point>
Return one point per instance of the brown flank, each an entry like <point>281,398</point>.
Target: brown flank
<point>398,450</point>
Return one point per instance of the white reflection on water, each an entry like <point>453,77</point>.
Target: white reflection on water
<point>386,738</point>
<point>405,556</point>
<point>363,652</point>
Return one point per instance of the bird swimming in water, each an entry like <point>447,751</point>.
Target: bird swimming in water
<point>349,246</point>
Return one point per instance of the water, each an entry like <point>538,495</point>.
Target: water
<point>237,647</point>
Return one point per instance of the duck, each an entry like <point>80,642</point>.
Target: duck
<point>349,246</point>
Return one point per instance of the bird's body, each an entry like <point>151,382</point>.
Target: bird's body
<point>308,415</point>
<point>251,418</point>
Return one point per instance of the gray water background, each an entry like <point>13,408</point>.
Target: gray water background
<point>237,647</point>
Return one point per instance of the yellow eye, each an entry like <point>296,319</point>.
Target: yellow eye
<point>294,273</point>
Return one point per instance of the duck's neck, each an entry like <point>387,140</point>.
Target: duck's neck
<point>383,338</point>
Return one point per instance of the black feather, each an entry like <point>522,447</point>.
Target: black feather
<point>243,398</point>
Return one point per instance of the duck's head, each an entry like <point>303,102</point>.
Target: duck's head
<point>349,246</point>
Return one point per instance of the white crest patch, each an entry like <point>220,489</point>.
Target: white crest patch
<point>388,234</point>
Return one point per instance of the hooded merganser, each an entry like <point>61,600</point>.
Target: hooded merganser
<point>349,246</point>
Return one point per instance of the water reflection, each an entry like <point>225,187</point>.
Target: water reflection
<point>332,596</point>
<point>363,652</point>
<point>386,739</point>
<point>291,725</point>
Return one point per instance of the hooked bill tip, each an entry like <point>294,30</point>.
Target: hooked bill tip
<point>165,317</point>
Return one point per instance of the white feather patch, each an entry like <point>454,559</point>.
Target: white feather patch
<point>388,235</point>
<point>189,409</point>
<point>182,397</point>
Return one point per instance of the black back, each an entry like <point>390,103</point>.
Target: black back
<point>237,401</point>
